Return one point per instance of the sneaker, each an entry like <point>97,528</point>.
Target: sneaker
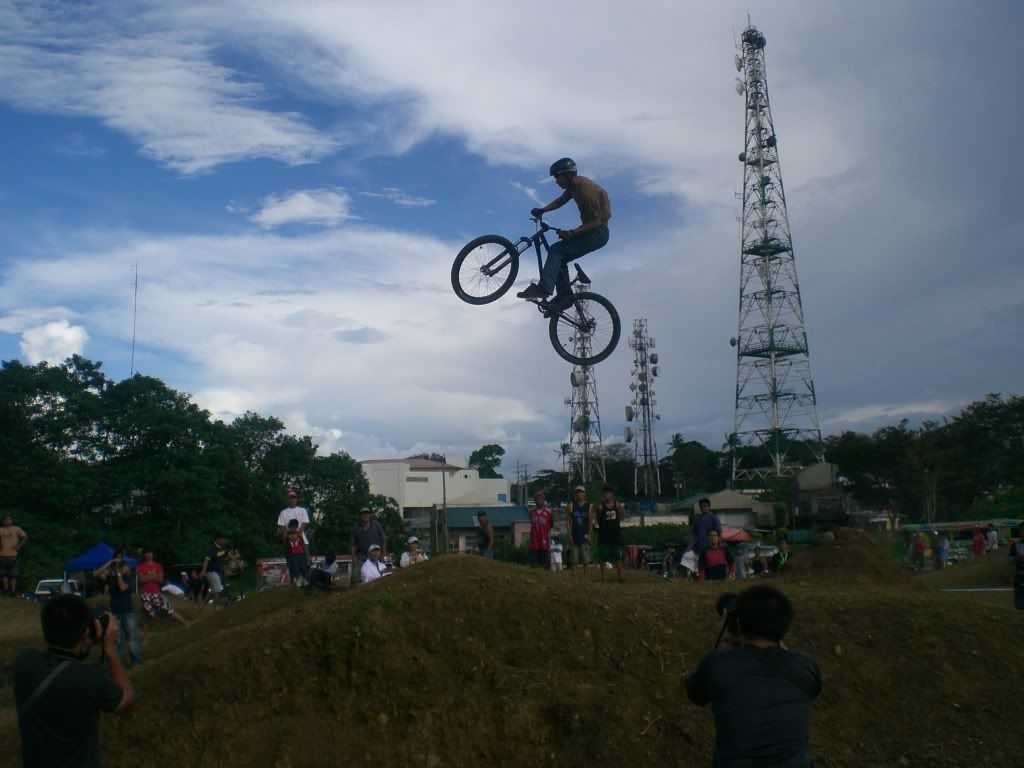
<point>556,305</point>
<point>533,291</point>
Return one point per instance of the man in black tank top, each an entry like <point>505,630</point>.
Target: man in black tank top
<point>609,515</point>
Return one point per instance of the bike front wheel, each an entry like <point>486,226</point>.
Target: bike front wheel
<point>588,331</point>
<point>485,269</point>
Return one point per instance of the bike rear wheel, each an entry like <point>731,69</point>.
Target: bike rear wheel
<point>588,331</point>
<point>485,269</point>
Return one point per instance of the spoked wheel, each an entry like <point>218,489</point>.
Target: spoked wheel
<point>485,269</point>
<point>588,331</point>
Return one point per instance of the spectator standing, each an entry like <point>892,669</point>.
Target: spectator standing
<point>715,562</point>
<point>705,522</point>
<point>991,539</point>
<point>780,558</point>
<point>941,551</point>
<point>758,564</point>
<point>1017,561</point>
<point>581,530</point>
<point>372,568</point>
<point>920,545</point>
<point>542,519</point>
<point>760,693</point>
<point>213,568</point>
<point>58,697</point>
<point>978,543</point>
<point>296,555</point>
<point>412,554</point>
<point>294,512</point>
<point>364,534</point>
<point>151,579</point>
<point>609,516</point>
<point>118,576</point>
<point>486,535</point>
<point>12,539</point>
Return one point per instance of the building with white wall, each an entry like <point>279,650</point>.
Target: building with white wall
<point>419,485</point>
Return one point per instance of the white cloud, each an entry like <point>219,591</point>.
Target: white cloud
<point>326,207</point>
<point>53,342</point>
<point>159,85</point>
<point>530,192</point>
<point>398,197</point>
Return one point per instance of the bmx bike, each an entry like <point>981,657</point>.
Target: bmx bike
<point>584,331</point>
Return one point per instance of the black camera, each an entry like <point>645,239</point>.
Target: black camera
<point>726,608</point>
<point>104,619</point>
<point>726,603</point>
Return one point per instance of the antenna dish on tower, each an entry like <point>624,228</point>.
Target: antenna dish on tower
<point>739,63</point>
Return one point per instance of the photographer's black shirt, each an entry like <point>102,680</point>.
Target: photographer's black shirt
<point>62,726</point>
<point>761,699</point>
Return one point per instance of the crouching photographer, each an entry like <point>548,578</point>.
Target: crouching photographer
<point>760,692</point>
<point>59,696</point>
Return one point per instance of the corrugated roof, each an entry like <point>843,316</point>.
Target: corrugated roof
<point>465,517</point>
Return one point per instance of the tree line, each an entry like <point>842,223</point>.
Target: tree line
<point>136,463</point>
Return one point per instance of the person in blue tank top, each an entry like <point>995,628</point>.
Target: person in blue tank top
<point>581,522</point>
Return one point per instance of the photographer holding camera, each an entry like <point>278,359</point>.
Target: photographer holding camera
<point>58,697</point>
<point>760,692</point>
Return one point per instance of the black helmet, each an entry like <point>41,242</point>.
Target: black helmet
<point>565,165</point>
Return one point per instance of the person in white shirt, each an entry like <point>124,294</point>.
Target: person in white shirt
<point>412,555</point>
<point>991,539</point>
<point>373,568</point>
<point>294,512</point>
<point>556,554</point>
<point>322,576</point>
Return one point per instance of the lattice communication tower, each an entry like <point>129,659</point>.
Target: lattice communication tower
<point>641,412</point>
<point>776,428</point>
<point>582,452</point>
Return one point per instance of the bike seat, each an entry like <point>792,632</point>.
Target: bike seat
<point>581,275</point>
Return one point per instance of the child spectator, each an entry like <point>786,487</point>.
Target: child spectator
<point>295,554</point>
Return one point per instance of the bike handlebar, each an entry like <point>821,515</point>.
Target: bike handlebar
<point>544,227</point>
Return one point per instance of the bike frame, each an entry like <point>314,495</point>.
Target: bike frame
<point>501,261</point>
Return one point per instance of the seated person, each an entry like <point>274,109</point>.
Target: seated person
<point>412,555</point>
<point>321,577</point>
<point>373,568</point>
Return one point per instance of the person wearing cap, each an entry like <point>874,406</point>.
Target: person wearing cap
<point>294,512</point>
<point>486,534</point>
<point>542,520</point>
<point>412,555</point>
<point>365,533</point>
<point>581,531</point>
<point>372,569</point>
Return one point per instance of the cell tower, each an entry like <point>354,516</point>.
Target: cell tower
<point>647,480</point>
<point>582,452</point>
<point>776,428</point>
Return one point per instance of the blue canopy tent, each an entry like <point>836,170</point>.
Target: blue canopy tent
<point>94,558</point>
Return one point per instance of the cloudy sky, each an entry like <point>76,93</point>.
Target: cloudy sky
<point>294,179</point>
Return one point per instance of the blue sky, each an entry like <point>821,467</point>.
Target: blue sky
<point>294,179</point>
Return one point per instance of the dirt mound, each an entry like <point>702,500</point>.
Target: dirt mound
<point>852,556</point>
<point>463,662</point>
<point>991,570</point>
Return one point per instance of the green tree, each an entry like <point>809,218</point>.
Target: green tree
<point>486,460</point>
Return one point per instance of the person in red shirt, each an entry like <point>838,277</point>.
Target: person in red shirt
<point>295,554</point>
<point>715,563</point>
<point>151,577</point>
<point>542,519</point>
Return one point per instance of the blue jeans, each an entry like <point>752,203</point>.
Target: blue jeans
<point>128,629</point>
<point>564,251</point>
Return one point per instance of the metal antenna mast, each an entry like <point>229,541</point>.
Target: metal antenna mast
<point>647,478</point>
<point>135,314</point>
<point>776,428</point>
<point>583,449</point>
